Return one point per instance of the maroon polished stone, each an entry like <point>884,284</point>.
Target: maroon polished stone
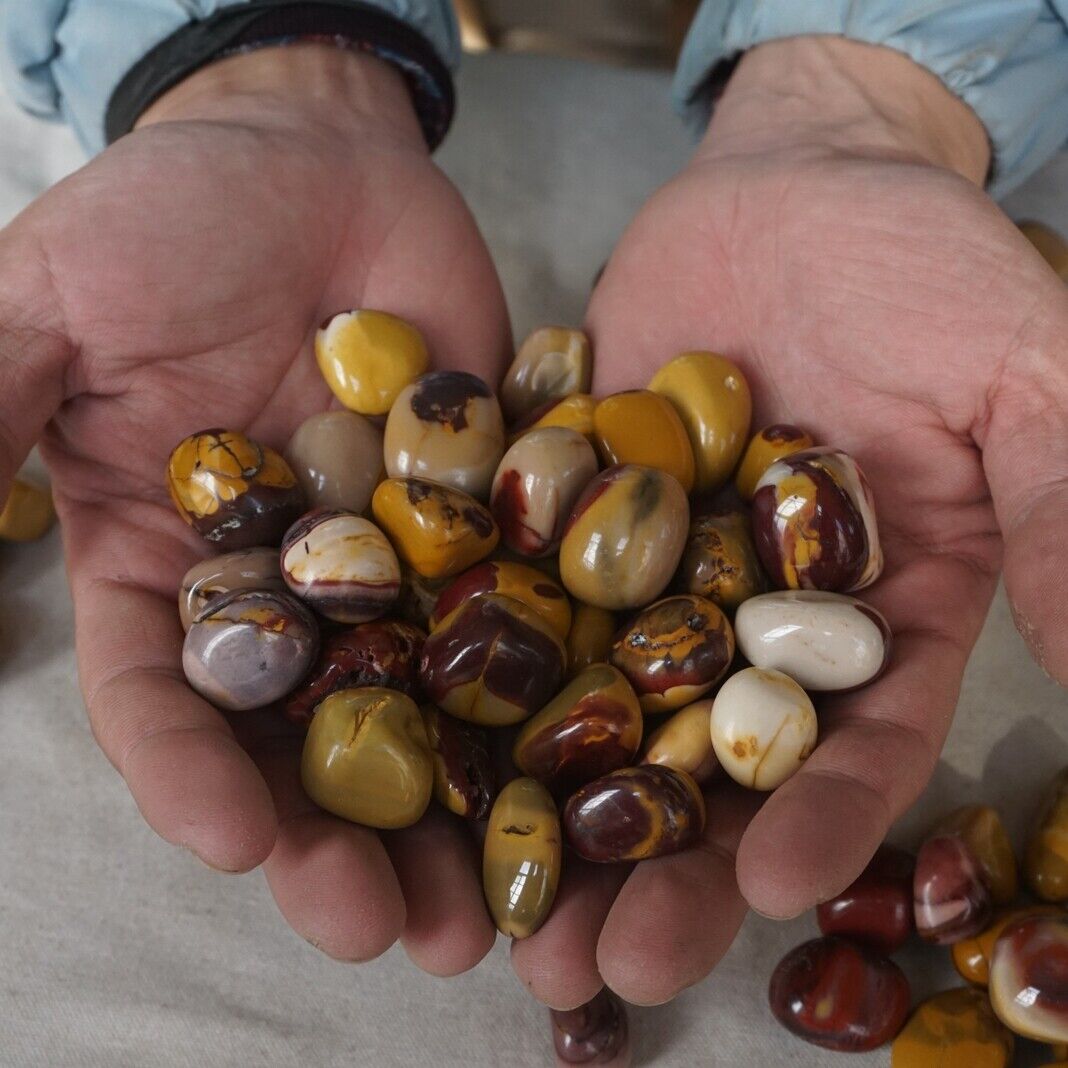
<point>951,900</point>
<point>876,908</point>
<point>840,995</point>
<point>594,1033</point>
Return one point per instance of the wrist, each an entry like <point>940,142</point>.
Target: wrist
<point>831,95</point>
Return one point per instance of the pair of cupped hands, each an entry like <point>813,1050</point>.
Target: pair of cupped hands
<point>830,235</point>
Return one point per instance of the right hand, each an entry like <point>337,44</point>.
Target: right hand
<point>176,283</point>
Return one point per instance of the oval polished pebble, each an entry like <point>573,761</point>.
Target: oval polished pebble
<point>971,956</point>
<point>624,538</point>
<point>674,651</point>
<point>27,513</point>
<point>243,569</point>
<point>684,742</point>
<point>536,485</point>
<point>367,357</point>
<point>1045,863</point>
<point>553,362</point>
<point>827,642</point>
<point>770,444</point>
<point>712,398</point>
<point>342,565</point>
<point>814,523</point>
<point>337,458</point>
<point>635,814</point>
<point>248,648</point>
<point>876,908</point>
<point>763,727</point>
<point>464,781</point>
<point>572,413</point>
<point>534,588</point>
<point>366,758</point>
<point>953,1029</point>
<point>521,858</point>
<point>593,726</point>
<point>720,561</point>
<point>382,652</point>
<point>984,834</point>
<point>589,641</point>
<point>642,427</point>
<point>594,1033</point>
<point>446,426</point>
<point>437,530</point>
<point>492,661</point>
<point>950,897</point>
<point>234,492</point>
<point>839,995</point>
<point>1029,978</point>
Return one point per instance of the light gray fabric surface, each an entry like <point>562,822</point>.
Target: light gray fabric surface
<point>117,950</point>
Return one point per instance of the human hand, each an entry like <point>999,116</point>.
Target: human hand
<point>827,237</point>
<point>174,283</point>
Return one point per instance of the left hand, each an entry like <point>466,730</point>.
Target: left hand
<point>827,238</point>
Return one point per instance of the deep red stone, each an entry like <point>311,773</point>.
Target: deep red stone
<point>951,900</point>
<point>594,1033</point>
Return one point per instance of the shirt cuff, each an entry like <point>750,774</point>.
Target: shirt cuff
<point>1007,59</point>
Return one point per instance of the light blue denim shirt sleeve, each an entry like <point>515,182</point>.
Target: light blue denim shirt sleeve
<point>62,59</point>
<point>1008,59</point>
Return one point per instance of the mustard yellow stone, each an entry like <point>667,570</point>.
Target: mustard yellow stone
<point>28,512</point>
<point>971,957</point>
<point>574,413</point>
<point>684,742</point>
<point>553,362</point>
<point>720,561</point>
<point>368,357</point>
<point>641,427</point>
<point>367,758</point>
<point>521,858</point>
<point>436,530</point>
<point>1046,858</point>
<point>589,641</point>
<point>983,832</point>
<point>954,1029</point>
<point>771,444</point>
<point>712,398</point>
<point>1050,245</point>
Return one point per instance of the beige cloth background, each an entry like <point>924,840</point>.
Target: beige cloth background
<point>119,951</point>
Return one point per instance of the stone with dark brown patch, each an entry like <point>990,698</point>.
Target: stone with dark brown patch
<point>464,781</point>
<point>443,396</point>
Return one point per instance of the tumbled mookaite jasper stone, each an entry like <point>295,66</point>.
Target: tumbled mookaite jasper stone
<point>245,569</point>
<point>382,652</point>
<point>954,1029</point>
<point>521,858</point>
<point>711,396</point>
<point>368,357</point>
<point>876,908</point>
<point>674,651</point>
<point>536,485</point>
<point>492,661</point>
<point>826,641</point>
<point>720,561</point>
<point>840,995</point>
<point>446,426</point>
<point>366,758</point>
<point>341,564</point>
<point>337,457</point>
<point>1029,978</point>
<point>814,523</point>
<point>1046,858</point>
<point>984,834</point>
<point>624,538</point>
<point>552,363</point>
<point>248,648</point>
<point>635,814</point>
<point>950,895</point>
<point>771,444</point>
<point>971,956</point>
<point>233,491</point>
<point>763,727</point>
<point>534,588</point>
<point>589,641</point>
<point>685,742</point>
<point>593,726</point>
<point>463,773</point>
<point>27,513</point>
<point>642,427</point>
<point>594,1033</point>
<point>435,529</point>
<point>573,413</point>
